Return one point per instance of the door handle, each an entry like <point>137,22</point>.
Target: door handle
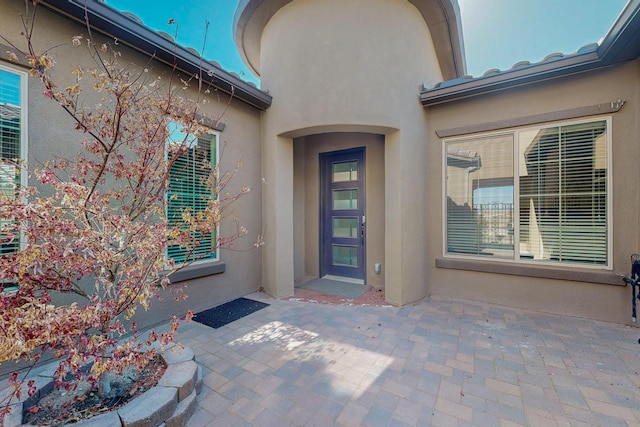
<point>362,226</point>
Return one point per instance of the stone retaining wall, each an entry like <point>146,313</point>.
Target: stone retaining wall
<point>170,403</point>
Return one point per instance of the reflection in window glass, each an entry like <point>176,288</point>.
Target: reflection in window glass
<point>345,199</point>
<point>345,171</point>
<point>555,210</point>
<point>188,189</point>
<point>480,196</point>
<point>345,255</point>
<point>563,193</point>
<point>345,227</point>
<point>10,150</point>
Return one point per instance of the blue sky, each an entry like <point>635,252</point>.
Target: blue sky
<point>497,33</point>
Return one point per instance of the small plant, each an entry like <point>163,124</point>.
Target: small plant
<point>95,228</point>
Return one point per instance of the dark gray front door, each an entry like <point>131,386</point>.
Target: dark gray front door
<point>342,213</point>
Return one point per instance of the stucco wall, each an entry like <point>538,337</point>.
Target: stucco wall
<point>345,62</point>
<point>567,297</point>
<point>348,66</point>
<point>306,153</point>
<point>51,132</point>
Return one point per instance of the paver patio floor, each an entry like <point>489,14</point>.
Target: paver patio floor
<point>440,362</point>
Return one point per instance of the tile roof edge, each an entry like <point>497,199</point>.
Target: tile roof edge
<point>496,80</point>
<point>613,48</point>
<point>131,31</point>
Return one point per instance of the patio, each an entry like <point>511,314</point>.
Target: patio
<point>440,362</point>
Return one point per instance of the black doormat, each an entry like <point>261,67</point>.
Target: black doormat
<point>219,316</point>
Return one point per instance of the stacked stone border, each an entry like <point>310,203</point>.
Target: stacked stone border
<point>170,403</point>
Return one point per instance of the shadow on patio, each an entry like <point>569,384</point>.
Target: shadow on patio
<point>438,362</point>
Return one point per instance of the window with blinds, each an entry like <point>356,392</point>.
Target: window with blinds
<point>188,189</point>
<point>535,195</point>
<point>11,122</point>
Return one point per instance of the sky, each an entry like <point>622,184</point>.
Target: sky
<point>497,33</point>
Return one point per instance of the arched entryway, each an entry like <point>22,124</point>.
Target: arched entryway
<point>339,214</point>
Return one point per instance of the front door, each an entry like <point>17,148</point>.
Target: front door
<point>342,214</point>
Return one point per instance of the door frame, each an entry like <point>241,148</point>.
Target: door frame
<point>325,160</point>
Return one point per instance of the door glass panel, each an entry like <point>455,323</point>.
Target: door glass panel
<point>345,171</point>
<point>345,255</point>
<point>345,227</point>
<point>345,199</point>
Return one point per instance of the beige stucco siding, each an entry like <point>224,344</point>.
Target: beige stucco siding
<point>307,152</point>
<point>51,132</point>
<point>591,300</point>
<point>348,66</point>
<point>345,62</point>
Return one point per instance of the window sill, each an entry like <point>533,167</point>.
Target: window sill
<point>558,273</point>
<point>198,270</point>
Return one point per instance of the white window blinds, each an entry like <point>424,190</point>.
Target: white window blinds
<point>549,205</point>
<point>189,190</point>
<point>479,184</point>
<point>563,193</point>
<point>10,151</point>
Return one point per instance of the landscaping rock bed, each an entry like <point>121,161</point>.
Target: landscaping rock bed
<point>172,401</point>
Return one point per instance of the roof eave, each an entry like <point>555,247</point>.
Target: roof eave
<point>621,41</point>
<point>518,77</point>
<point>112,23</point>
<point>619,45</point>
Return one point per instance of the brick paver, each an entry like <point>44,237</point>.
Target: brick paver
<point>439,362</point>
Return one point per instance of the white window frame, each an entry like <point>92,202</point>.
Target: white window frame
<point>216,137</point>
<point>515,132</point>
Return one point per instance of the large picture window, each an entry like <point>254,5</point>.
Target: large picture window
<point>188,189</point>
<point>12,148</point>
<point>532,195</point>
